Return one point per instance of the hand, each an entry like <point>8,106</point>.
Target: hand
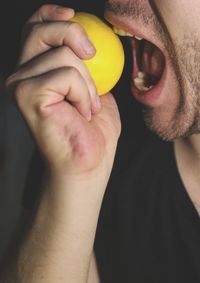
<point>76,130</point>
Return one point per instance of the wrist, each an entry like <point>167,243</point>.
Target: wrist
<point>59,186</point>
<point>70,177</point>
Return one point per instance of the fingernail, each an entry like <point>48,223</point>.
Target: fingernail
<point>98,103</point>
<point>88,47</point>
<point>61,10</point>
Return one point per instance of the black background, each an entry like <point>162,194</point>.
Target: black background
<point>13,15</point>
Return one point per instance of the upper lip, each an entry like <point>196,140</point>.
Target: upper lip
<point>137,30</point>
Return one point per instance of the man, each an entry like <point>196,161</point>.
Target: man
<point>148,229</point>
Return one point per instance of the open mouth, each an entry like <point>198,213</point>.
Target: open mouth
<point>149,66</point>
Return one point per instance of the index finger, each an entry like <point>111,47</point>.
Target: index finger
<point>51,12</point>
<point>48,13</point>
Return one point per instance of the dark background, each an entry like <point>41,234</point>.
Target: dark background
<point>16,144</point>
<point>14,14</point>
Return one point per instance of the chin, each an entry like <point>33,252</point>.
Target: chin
<point>160,79</point>
<point>169,126</point>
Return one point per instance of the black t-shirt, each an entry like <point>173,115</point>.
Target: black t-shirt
<point>148,229</point>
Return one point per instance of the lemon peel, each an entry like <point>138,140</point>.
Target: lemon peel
<point>106,66</point>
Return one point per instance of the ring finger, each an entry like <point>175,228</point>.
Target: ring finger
<point>54,59</point>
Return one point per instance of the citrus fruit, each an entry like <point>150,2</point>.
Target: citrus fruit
<point>107,65</point>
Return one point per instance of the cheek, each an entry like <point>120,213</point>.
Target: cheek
<point>179,17</point>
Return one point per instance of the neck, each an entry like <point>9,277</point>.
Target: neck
<point>190,147</point>
<point>187,151</point>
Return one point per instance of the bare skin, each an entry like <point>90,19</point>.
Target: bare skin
<point>77,133</point>
<point>182,22</point>
<point>79,159</point>
<point>175,27</point>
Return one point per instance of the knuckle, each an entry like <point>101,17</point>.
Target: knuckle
<point>43,8</point>
<point>74,28</point>
<point>73,72</point>
<point>27,98</point>
<point>22,88</point>
<point>34,30</point>
<point>41,110</point>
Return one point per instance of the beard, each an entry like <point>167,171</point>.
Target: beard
<point>183,120</point>
<point>180,118</point>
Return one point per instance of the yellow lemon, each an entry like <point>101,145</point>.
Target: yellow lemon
<point>107,65</point>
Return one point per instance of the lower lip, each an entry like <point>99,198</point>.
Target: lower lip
<point>153,97</point>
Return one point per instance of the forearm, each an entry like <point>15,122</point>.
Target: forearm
<point>59,245</point>
<point>77,133</point>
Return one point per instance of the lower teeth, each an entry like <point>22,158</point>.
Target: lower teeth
<point>140,82</point>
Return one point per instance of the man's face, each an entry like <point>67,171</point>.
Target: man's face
<point>169,59</point>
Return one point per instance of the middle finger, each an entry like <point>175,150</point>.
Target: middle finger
<point>53,34</point>
<point>55,59</point>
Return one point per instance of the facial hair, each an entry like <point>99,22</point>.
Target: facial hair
<point>184,58</point>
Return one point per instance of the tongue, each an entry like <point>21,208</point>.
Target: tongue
<point>152,63</point>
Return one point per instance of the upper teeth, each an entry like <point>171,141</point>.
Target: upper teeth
<point>138,38</point>
<point>122,32</point>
